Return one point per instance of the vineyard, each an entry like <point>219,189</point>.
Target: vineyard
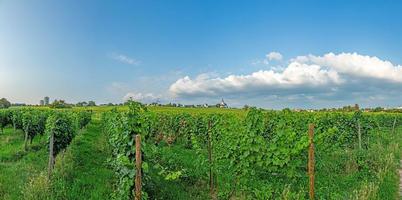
<point>242,154</point>
<point>54,131</point>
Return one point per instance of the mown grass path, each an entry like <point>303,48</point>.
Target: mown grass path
<point>399,131</point>
<point>83,169</point>
<point>17,166</point>
<point>400,180</point>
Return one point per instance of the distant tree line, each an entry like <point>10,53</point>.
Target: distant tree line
<point>183,105</point>
<point>60,104</point>
<point>63,104</point>
<point>84,104</point>
<point>4,103</point>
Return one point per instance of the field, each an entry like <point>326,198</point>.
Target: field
<point>197,153</point>
<point>200,100</point>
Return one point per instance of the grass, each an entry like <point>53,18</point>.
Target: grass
<point>362,174</point>
<point>192,184</point>
<point>81,172</point>
<point>350,173</point>
<point>17,167</point>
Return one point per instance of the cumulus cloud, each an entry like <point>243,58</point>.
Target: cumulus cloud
<point>296,75</point>
<point>125,59</point>
<point>274,56</point>
<point>357,65</point>
<point>142,97</point>
<point>271,56</point>
<point>330,77</point>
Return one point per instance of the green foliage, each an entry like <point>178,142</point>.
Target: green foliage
<point>83,118</point>
<point>60,104</point>
<point>91,103</point>
<point>16,119</point>
<point>122,128</point>
<point>81,172</point>
<point>249,152</point>
<point>4,119</point>
<point>33,122</point>
<point>37,188</point>
<point>17,166</point>
<point>255,154</point>
<point>63,126</point>
<point>4,103</point>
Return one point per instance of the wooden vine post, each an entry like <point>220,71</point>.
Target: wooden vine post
<point>26,139</point>
<point>51,155</point>
<point>138,165</point>
<point>393,126</point>
<point>311,161</point>
<point>359,132</point>
<point>210,159</point>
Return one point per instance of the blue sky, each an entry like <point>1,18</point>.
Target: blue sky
<point>202,51</point>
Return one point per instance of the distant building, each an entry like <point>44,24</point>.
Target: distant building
<point>41,102</point>
<point>357,107</point>
<point>223,104</point>
<point>46,100</point>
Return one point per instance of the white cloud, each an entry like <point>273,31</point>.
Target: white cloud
<point>357,65</point>
<point>294,76</point>
<point>331,77</point>
<point>125,59</point>
<point>274,56</point>
<point>271,56</point>
<point>142,97</point>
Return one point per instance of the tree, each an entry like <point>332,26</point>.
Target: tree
<point>81,104</point>
<point>60,104</point>
<point>4,103</point>
<point>378,109</point>
<point>91,103</point>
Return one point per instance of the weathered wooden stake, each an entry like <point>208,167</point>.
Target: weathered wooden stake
<point>311,160</point>
<point>210,159</point>
<point>359,132</point>
<point>26,141</point>
<point>51,156</point>
<point>138,165</point>
<point>393,126</point>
